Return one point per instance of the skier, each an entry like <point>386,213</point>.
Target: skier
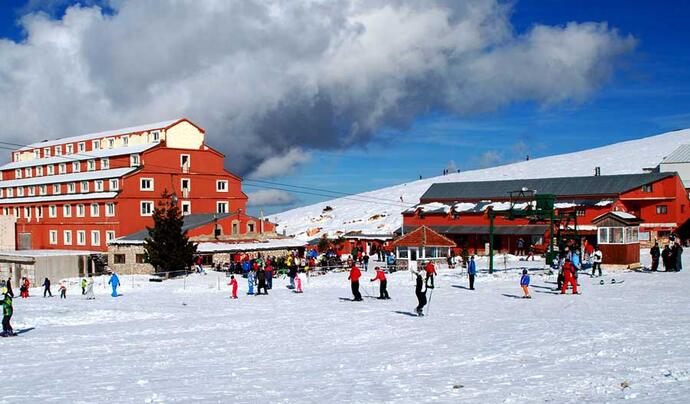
<point>569,277</point>
<point>430,273</point>
<point>114,282</point>
<point>261,280</point>
<point>655,253</point>
<point>269,275</point>
<point>597,257</point>
<point>292,273</point>
<point>524,284</point>
<point>354,276</point>
<point>46,288</point>
<point>251,278</point>
<point>83,286</point>
<point>24,289</point>
<point>7,314</point>
<point>381,277</point>
<point>8,285</point>
<point>89,290</point>
<point>233,284</point>
<point>666,258</point>
<point>472,271</point>
<point>420,290</point>
<point>298,283</point>
<point>679,256</point>
<point>63,291</point>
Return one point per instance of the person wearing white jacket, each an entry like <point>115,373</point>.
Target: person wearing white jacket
<point>597,258</point>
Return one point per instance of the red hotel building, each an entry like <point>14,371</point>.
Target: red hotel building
<point>82,192</point>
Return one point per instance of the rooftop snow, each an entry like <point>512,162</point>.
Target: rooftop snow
<point>97,135</point>
<point>117,151</point>
<point>80,176</point>
<point>680,155</point>
<point>623,215</point>
<point>276,244</point>
<point>57,198</point>
<point>44,253</point>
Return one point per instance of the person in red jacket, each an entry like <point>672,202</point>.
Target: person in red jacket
<point>355,274</point>
<point>569,275</point>
<point>430,269</point>
<point>233,283</point>
<point>381,277</point>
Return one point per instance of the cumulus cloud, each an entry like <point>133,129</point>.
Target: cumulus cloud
<point>266,77</point>
<point>271,197</point>
<point>281,164</point>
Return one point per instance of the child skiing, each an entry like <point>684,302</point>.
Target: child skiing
<point>83,286</point>
<point>7,315</point>
<point>24,289</point>
<point>420,290</point>
<point>251,277</point>
<point>471,271</point>
<point>89,290</point>
<point>524,284</point>
<point>261,281</point>
<point>569,277</point>
<point>233,284</point>
<point>430,273</point>
<point>63,291</point>
<point>354,276</point>
<point>298,283</point>
<point>114,282</point>
<point>381,277</point>
<point>597,257</point>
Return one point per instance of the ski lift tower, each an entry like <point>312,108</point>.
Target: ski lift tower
<point>536,208</point>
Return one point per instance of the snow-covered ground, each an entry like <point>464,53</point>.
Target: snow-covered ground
<point>184,340</point>
<point>379,211</point>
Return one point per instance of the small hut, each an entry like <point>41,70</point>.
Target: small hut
<point>618,238</point>
<point>422,244</point>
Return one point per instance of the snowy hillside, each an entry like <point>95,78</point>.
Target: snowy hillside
<point>379,211</point>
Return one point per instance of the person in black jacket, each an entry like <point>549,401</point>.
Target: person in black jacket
<point>420,291</point>
<point>46,288</point>
<point>666,258</point>
<point>261,280</point>
<point>655,253</point>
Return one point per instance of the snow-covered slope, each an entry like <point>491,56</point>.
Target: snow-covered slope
<point>379,211</point>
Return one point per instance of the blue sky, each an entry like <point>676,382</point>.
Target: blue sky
<point>649,93</point>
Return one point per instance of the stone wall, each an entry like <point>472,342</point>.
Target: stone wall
<point>130,267</point>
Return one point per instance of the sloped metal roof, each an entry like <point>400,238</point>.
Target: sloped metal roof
<point>562,187</point>
<point>190,222</point>
<point>680,155</point>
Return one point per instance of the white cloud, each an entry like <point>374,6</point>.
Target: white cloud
<point>265,77</point>
<point>271,197</point>
<point>281,165</point>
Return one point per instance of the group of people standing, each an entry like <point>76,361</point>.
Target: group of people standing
<point>671,256</point>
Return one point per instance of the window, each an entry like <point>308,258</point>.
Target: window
<point>1,192</point>
<point>18,173</point>
<point>52,211</point>
<point>222,186</point>
<point>43,189</point>
<point>110,209</point>
<point>56,189</point>
<point>32,191</point>
<point>156,135</point>
<point>95,237</point>
<point>10,192</point>
<point>67,237</point>
<point>81,237</point>
<point>105,163</point>
<point>647,188</point>
<point>67,210</point>
<point>76,167</point>
<point>15,157</point>
<point>6,211</point>
<point>114,184</point>
<point>39,171</point>
<point>185,162</point>
<point>146,184</point>
<point>71,187</point>
<point>39,212</point>
<point>95,145</point>
<point>140,258</point>
<point>70,149</point>
<point>46,152</point>
<point>134,160</point>
<point>118,258</point>
<point>186,207</point>
<point>146,208</point>
<point>27,172</point>
<point>37,154</point>
<point>111,143</point>
<point>84,186</point>
<point>58,150</point>
<point>27,213</point>
<point>20,191</point>
<point>403,252</point>
<point>95,210</point>
<point>221,207</point>
<point>91,165</point>
<point>62,168</point>
<point>125,141</point>
<point>250,227</point>
<point>17,212</point>
<point>661,209</point>
<point>109,236</point>
<point>98,185</point>
<point>81,147</point>
<point>53,236</point>
<point>235,228</point>
<point>50,169</point>
<point>81,210</point>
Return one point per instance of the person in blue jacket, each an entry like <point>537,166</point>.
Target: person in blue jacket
<point>251,276</point>
<point>472,271</point>
<point>524,284</point>
<point>114,282</point>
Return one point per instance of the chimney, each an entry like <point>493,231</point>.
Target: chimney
<point>597,171</point>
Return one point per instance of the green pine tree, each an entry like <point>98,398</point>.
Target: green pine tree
<point>167,247</point>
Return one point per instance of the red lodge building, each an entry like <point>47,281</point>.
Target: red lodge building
<point>459,210</point>
<point>82,192</point>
